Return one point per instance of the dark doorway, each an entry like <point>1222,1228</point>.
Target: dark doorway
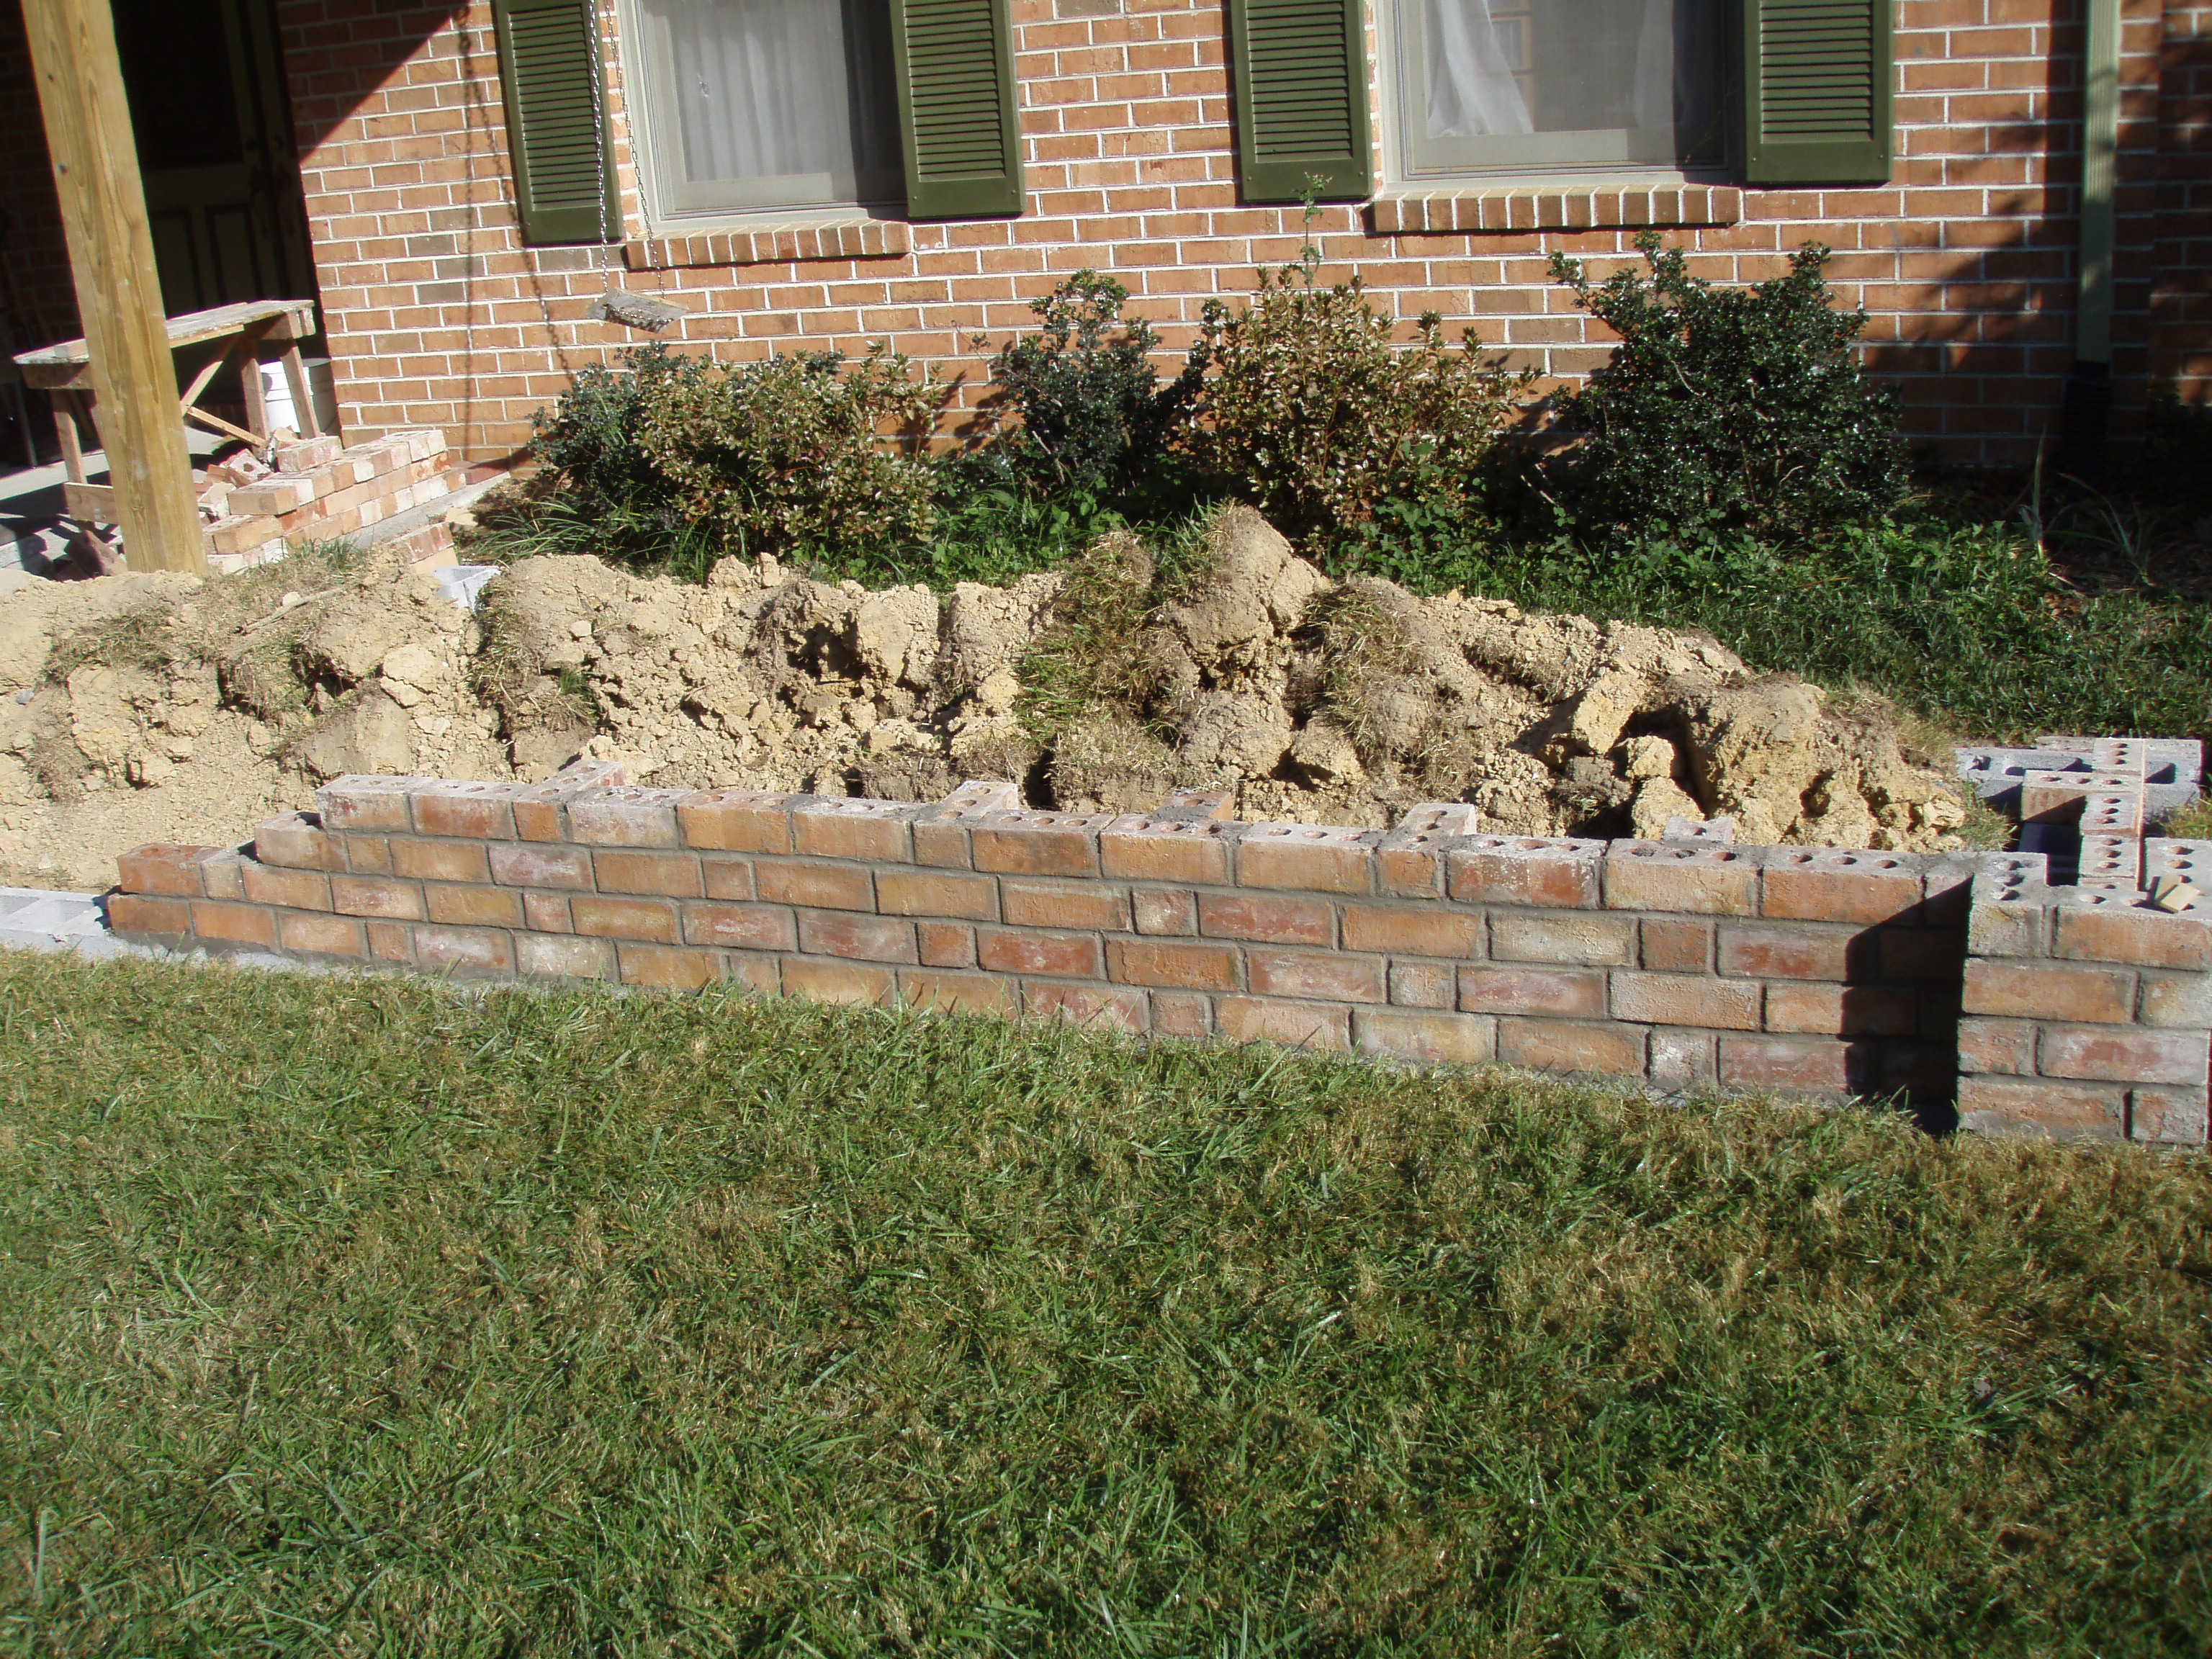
<point>214,125</point>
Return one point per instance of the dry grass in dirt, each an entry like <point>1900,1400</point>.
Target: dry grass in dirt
<point>361,1317</point>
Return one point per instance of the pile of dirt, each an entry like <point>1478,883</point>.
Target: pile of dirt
<point>145,708</point>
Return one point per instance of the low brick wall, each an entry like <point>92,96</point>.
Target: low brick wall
<point>1681,962</point>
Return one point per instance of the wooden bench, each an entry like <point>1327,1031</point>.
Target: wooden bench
<point>65,370</point>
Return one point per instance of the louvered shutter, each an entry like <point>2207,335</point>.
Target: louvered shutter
<point>1301,69</point>
<point>958,116</point>
<point>557,128</point>
<point>1816,91</point>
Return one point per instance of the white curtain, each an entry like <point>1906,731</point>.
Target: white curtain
<point>1471,90</point>
<point>763,89</point>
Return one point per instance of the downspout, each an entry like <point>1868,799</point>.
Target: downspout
<point>2086,414</point>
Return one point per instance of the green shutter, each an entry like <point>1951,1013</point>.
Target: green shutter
<point>1301,68</point>
<point>1816,91</point>
<point>958,120</point>
<point>556,126</point>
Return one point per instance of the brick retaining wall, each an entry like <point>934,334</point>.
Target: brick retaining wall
<point>1682,961</point>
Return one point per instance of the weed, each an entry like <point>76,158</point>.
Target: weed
<point>2190,822</point>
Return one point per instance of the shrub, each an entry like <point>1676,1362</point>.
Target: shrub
<point>1725,409</point>
<point>1315,416</point>
<point>667,454</point>
<point>1094,417</point>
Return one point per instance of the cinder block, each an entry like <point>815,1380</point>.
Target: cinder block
<point>1682,877</point>
<point>1428,1039</point>
<point>1820,885</point>
<point>1549,873</point>
<point>1193,850</point>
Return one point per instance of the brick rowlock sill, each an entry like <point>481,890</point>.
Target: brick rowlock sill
<point>2081,1010</point>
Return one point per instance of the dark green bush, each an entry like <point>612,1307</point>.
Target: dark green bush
<point>1315,416</point>
<point>687,459</point>
<point>1095,419</point>
<point>1724,408</point>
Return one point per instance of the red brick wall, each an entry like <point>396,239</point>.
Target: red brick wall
<point>2181,290</point>
<point>1682,963</point>
<point>440,317</point>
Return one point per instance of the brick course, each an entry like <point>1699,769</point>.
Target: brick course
<point>1755,970</point>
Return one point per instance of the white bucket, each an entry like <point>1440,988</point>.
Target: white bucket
<point>276,394</point>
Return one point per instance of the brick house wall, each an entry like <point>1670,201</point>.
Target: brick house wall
<point>438,315</point>
<point>441,316</point>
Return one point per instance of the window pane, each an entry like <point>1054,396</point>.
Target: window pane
<point>1551,83</point>
<point>771,103</point>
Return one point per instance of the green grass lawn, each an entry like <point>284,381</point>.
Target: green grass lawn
<point>362,1317</point>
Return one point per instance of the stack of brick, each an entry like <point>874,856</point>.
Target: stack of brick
<point>1680,963</point>
<point>321,491</point>
<point>2089,1007</point>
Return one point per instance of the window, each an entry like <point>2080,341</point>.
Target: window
<point>751,103</point>
<point>1519,86</point>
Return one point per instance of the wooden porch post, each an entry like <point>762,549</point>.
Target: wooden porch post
<point>119,291</point>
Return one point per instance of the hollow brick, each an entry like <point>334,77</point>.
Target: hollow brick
<point>946,943</point>
<point>1298,1024</point>
<point>1412,930</point>
<point>1807,1064</point>
<point>738,926</point>
<point>321,935</point>
<point>373,895</point>
<point>484,812</point>
<point>161,869</point>
<point>1549,873</point>
<point>2170,1116</point>
<point>650,920</point>
<point>1838,886</point>
<point>1430,1039</point>
<point>357,802</point>
<point>669,875</point>
<point>2123,1056</point>
<point>2026,1106</point>
<point>1065,904</point>
<point>522,864</point>
<point>866,939</point>
<point>439,860</point>
<point>551,957</point>
<point>1269,921</point>
<point>1315,975</point>
<point>936,893</point>
<point>1572,1047</point>
<point>844,982</point>
<point>1087,1005</point>
<point>1562,992</point>
<point>853,828</point>
<point>294,890</point>
<point>627,816</point>
<point>1679,877</point>
<point>2119,932</point>
<point>537,808</point>
<point>817,886</point>
<point>473,906</point>
<point>1037,843</point>
<point>738,820</point>
<point>2049,990</point>
<point>1309,857</point>
<point>1584,940</point>
<point>297,841</point>
<point>958,993</point>
<point>1685,999</point>
<point>1060,955</point>
<point>475,949</point>
<point>147,913</point>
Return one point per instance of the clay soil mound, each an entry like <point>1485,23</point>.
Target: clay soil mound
<point>155,707</point>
